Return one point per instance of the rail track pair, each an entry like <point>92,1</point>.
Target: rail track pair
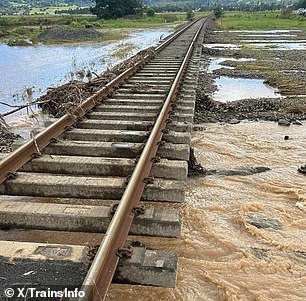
<point>126,144</point>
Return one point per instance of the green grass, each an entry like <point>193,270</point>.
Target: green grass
<point>36,20</point>
<point>254,67</point>
<point>148,22</point>
<point>51,10</point>
<point>124,50</point>
<point>260,21</point>
<point>33,20</point>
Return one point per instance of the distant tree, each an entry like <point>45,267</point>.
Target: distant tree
<point>302,4</point>
<point>286,12</point>
<point>150,12</point>
<point>218,11</point>
<point>112,9</point>
<point>189,15</point>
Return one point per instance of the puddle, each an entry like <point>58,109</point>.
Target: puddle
<point>263,31</point>
<point>282,46</point>
<point>231,89</point>
<point>216,63</point>
<point>267,35</point>
<point>222,46</point>
<point>296,96</point>
<point>274,41</point>
<point>293,71</point>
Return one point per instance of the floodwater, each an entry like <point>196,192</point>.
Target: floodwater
<point>273,31</point>
<point>222,254</point>
<point>280,46</point>
<point>231,89</point>
<point>267,35</point>
<point>274,41</point>
<point>222,46</point>
<point>37,68</point>
<point>216,62</point>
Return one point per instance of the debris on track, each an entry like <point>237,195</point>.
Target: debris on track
<point>60,100</point>
<point>6,137</point>
<point>194,168</point>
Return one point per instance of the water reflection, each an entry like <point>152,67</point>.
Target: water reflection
<point>44,66</point>
<point>36,68</point>
<point>273,41</point>
<point>277,31</point>
<point>280,46</point>
<point>222,46</point>
<point>231,89</point>
<point>216,63</point>
<point>267,35</point>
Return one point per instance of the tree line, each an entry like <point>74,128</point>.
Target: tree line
<point>112,9</point>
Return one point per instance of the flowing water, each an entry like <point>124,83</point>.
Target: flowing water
<point>222,254</point>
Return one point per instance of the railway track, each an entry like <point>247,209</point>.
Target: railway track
<point>105,168</point>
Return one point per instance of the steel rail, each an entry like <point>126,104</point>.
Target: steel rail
<point>101,272</point>
<point>25,153</point>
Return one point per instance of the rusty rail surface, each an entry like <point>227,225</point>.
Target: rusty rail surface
<point>24,153</point>
<point>100,274</point>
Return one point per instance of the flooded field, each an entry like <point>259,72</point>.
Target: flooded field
<point>41,67</point>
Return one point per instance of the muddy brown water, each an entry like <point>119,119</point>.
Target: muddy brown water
<point>222,256</point>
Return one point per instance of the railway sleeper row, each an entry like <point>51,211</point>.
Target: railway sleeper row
<point>92,161</point>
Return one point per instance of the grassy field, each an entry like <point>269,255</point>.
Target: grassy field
<point>36,20</point>
<point>51,10</point>
<point>260,21</point>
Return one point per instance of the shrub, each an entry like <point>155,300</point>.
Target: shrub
<point>168,18</point>
<point>150,12</point>
<point>190,15</point>
<point>218,11</point>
